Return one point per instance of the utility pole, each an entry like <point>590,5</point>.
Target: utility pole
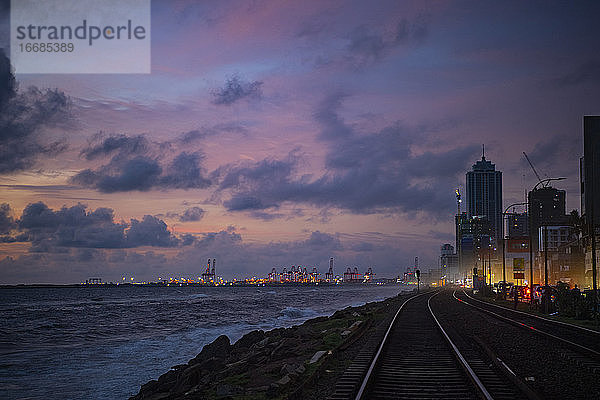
<point>530,248</point>
<point>546,289</point>
<point>530,226</point>
<point>490,265</point>
<point>546,255</point>
<point>503,262</point>
<point>592,229</point>
<point>504,248</point>
<point>594,273</point>
<point>482,257</point>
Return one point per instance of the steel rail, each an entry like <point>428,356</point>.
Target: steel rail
<point>383,342</point>
<point>536,316</point>
<point>460,357</point>
<point>528,327</point>
<point>471,375</point>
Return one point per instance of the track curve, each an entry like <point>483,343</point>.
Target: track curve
<point>418,360</point>
<point>583,340</point>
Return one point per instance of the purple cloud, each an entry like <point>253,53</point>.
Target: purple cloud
<point>136,165</point>
<point>75,226</point>
<point>23,116</point>
<point>192,214</point>
<point>366,173</point>
<point>236,89</point>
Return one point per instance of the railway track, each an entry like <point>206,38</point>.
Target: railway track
<point>584,343</point>
<point>418,359</point>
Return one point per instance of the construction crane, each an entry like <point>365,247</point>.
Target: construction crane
<point>545,182</point>
<point>532,167</point>
<point>458,200</point>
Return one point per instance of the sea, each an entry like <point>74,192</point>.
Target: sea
<point>104,342</point>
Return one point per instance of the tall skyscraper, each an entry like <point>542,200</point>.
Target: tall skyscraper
<point>548,207</point>
<point>590,194</point>
<point>590,170</point>
<point>484,195</point>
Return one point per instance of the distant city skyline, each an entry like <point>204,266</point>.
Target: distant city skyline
<point>271,134</point>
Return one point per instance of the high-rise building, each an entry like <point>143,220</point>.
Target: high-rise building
<point>547,207</point>
<point>484,195</point>
<point>472,237</point>
<point>590,170</point>
<point>590,194</point>
<point>518,224</point>
<point>449,264</point>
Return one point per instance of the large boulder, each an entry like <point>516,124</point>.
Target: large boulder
<point>194,374</point>
<point>248,340</point>
<point>288,347</point>
<point>227,390</point>
<point>219,348</point>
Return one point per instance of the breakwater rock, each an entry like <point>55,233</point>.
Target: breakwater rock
<point>300,362</point>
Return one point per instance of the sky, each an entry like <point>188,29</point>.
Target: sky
<point>278,133</point>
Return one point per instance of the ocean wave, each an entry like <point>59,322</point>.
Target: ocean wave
<point>198,296</point>
<point>294,313</point>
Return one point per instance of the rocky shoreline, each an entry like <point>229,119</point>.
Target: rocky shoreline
<point>301,362</point>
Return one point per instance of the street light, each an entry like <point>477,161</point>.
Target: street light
<point>490,264</point>
<point>504,250</point>
<point>545,183</point>
<point>490,249</point>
